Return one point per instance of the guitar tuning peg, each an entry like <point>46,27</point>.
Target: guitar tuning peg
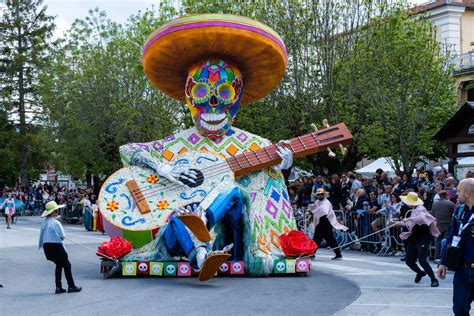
<point>325,123</point>
<point>314,127</point>
<point>343,149</point>
<point>331,154</point>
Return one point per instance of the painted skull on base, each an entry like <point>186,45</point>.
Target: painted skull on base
<point>213,90</point>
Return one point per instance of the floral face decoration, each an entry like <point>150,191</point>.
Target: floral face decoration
<point>213,91</point>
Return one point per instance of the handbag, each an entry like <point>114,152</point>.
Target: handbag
<point>455,255</point>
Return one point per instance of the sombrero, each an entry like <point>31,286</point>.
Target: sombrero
<point>256,49</point>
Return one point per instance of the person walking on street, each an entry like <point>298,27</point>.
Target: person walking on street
<point>51,240</point>
<point>324,220</point>
<point>421,226</point>
<point>87,212</point>
<point>461,234</point>
<point>442,210</point>
<point>9,206</point>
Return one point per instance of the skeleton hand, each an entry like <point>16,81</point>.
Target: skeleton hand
<point>286,157</point>
<point>199,211</point>
<point>172,173</point>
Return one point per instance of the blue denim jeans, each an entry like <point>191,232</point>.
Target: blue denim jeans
<point>463,284</point>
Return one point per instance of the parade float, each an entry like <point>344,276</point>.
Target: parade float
<point>210,199</point>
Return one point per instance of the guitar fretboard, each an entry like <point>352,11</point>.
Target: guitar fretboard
<point>300,146</point>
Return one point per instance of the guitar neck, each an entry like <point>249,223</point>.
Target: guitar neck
<point>300,146</point>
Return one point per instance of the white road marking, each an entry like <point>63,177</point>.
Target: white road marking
<point>407,288</point>
<point>401,305</point>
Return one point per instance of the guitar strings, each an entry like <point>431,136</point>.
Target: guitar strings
<point>217,169</point>
<point>296,147</point>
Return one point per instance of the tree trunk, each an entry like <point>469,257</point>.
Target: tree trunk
<point>21,109</point>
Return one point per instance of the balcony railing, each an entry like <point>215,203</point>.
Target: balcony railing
<point>464,62</point>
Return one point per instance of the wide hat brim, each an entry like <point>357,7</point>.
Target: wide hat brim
<point>256,49</point>
<point>47,212</point>
<point>405,199</point>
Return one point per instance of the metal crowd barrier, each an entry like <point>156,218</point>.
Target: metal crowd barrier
<point>361,231</point>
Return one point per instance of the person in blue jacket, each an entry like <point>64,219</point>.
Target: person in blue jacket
<point>462,224</point>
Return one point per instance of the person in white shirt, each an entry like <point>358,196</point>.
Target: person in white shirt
<point>9,206</point>
<point>51,240</point>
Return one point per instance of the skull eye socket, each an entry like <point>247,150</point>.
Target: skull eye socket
<point>201,92</point>
<point>225,93</point>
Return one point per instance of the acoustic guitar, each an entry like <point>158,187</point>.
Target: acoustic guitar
<point>137,199</point>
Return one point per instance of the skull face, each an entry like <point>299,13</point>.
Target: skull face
<point>170,269</point>
<point>183,269</point>
<point>280,266</point>
<point>213,90</point>
<point>142,267</point>
<point>129,268</point>
<point>302,266</point>
<point>156,268</point>
<point>290,266</point>
<point>237,267</point>
<point>224,267</point>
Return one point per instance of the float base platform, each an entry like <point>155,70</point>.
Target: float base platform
<point>109,268</point>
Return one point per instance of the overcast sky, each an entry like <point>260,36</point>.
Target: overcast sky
<point>66,11</point>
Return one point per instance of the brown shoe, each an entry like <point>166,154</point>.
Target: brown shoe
<point>211,265</point>
<point>196,226</point>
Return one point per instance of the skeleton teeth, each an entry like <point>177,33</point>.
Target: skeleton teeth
<point>209,117</point>
<point>213,127</point>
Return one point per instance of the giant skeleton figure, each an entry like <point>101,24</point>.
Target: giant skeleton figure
<point>251,214</point>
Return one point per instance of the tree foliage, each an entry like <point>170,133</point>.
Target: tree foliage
<point>97,94</point>
<point>25,32</point>
<point>396,90</point>
<point>363,62</point>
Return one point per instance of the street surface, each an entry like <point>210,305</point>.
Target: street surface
<point>361,284</point>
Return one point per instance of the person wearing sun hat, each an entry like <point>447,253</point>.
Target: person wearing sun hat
<point>51,240</point>
<point>421,226</point>
<point>324,220</point>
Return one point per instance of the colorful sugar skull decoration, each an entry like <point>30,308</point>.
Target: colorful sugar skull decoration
<point>213,90</point>
<point>205,61</point>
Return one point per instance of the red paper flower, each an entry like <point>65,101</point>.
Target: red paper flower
<point>163,204</point>
<point>296,243</point>
<point>113,206</point>
<point>152,179</point>
<point>116,247</point>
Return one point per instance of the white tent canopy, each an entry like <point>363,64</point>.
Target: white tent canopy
<point>384,163</point>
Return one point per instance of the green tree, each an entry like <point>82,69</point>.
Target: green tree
<point>97,94</point>
<point>397,89</point>
<point>25,32</point>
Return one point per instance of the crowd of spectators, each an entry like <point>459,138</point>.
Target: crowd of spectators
<point>367,205</point>
<point>35,197</point>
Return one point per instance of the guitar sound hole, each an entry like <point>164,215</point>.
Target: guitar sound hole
<point>199,180</point>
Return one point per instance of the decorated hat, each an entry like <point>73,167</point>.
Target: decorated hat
<point>411,199</point>
<point>320,191</point>
<point>256,49</point>
<point>50,207</point>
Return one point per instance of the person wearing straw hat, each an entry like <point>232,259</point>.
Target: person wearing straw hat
<point>324,220</point>
<point>421,226</point>
<point>51,240</point>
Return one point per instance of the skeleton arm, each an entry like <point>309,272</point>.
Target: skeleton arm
<point>136,156</point>
<point>286,156</point>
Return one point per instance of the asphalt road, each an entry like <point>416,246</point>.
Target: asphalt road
<point>361,284</point>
